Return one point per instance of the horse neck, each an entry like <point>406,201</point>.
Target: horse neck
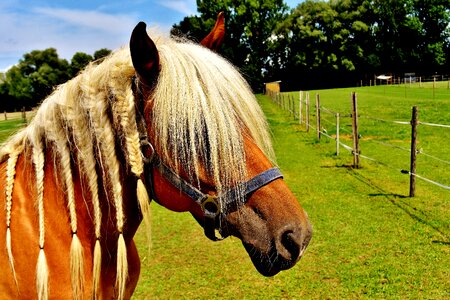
<point>107,202</point>
<point>56,196</point>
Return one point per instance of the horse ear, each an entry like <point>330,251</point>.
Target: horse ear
<point>214,39</point>
<point>144,54</point>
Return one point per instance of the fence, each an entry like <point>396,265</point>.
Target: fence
<point>420,81</point>
<point>300,109</point>
<point>15,115</point>
<point>431,87</point>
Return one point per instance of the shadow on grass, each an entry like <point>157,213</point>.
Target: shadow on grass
<point>399,201</point>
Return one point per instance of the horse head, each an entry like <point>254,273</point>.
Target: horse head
<point>232,188</point>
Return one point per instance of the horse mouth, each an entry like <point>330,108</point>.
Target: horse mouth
<point>271,263</point>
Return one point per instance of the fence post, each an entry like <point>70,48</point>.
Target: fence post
<point>337,134</point>
<point>24,115</point>
<point>434,86</point>
<point>293,106</point>
<point>318,116</point>
<point>412,177</point>
<point>307,112</point>
<point>6,116</point>
<point>355,131</point>
<point>300,117</point>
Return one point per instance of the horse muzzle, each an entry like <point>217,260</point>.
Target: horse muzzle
<point>273,244</point>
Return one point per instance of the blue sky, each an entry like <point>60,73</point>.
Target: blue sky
<point>82,25</point>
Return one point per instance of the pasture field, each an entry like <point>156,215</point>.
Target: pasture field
<point>8,127</point>
<point>369,240</point>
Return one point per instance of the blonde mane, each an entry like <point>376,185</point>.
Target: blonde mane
<point>201,108</point>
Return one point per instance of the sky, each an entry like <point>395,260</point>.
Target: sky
<point>82,25</point>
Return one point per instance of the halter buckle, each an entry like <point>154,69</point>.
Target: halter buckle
<point>211,206</point>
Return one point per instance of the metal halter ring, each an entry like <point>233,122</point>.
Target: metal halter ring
<point>211,206</point>
<point>145,143</point>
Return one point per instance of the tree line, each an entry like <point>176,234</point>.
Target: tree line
<point>27,83</point>
<point>323,44</point>
<point>318,44</point>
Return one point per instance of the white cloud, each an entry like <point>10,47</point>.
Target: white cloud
<point>185,7</point>
<point>26,28</point>
<point>89,19</point>
<point>5,69</point>
<point>66,30</point>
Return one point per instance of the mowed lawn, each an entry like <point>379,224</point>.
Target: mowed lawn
<point>370,241</point>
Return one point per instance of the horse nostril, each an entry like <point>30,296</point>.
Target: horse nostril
<point>289,241</point>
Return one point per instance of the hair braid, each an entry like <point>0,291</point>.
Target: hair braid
<point>105,137</point>
<point>38,161</point>
<point>85,145</point>
<point>10,174</point>
<point>125,109</point>
<point>59,136</point>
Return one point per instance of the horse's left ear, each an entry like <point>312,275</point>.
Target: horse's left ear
<point>144,54</point>
<point>214,39</point>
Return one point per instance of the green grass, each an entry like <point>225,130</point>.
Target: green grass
<point>9,127</point>
<point>370,242</point>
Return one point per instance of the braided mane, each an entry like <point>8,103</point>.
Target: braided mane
<point>201,107</point>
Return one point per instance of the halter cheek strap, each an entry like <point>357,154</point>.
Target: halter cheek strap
<point>216,206</point>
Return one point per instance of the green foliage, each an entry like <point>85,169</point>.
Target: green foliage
<point>78,62</point>
<point>101,53</point>
<point>318,44</point>
<point>249,27</point>
<point>351,38</point>
<point>37,73</point>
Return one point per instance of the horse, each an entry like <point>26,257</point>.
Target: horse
<point>164,119</point>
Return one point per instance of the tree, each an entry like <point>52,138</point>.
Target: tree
<point>34,77</point>
<point>434,42</point>
<point>339,41</point>
<point>37,73</point>
<point>249,27</point>
<point>318,41</point>
<point>101,53</point>
<point>78,62</point>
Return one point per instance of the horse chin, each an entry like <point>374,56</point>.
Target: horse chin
<point>272,248</point>
<point>271,263</point>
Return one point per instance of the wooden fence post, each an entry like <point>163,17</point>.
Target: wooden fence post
<point>412,177</point>
<point>293,105</point>
<point>24,114</point>
<point>434,86</point>
<point>355,131</point>
<point>307,112</point>
<point>337,134</point>
<point>318,116</point>
<point>284,102</point>
<point>300,117</point>
<point>6,116</point>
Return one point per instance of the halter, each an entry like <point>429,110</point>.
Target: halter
<point>214,207</point>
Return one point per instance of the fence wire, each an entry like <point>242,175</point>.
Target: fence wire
<point>277,99</point>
